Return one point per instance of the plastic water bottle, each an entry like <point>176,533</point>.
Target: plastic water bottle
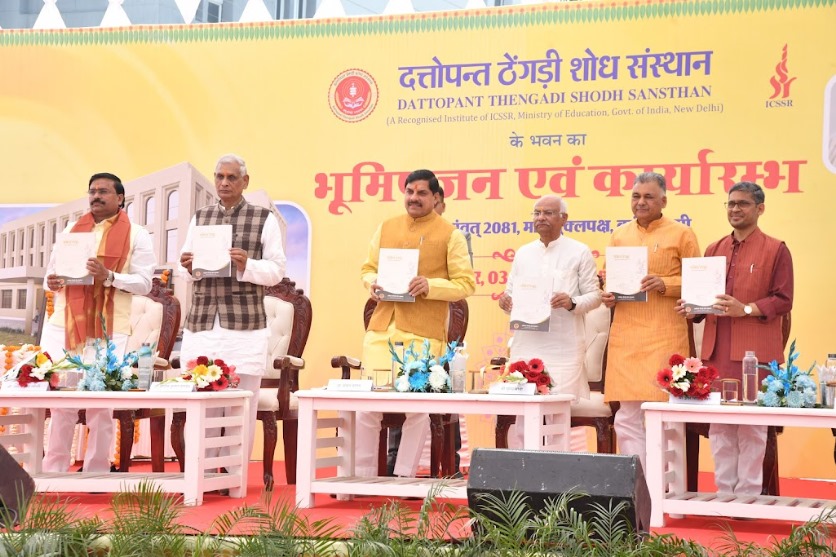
<point>396,368</point>
<point>145,365</point>
<point>750,377</point>
<point>828,375</point>
<point>458,369</point>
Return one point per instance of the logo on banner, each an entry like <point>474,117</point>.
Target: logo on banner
<point>353,95</point>
<point>780,82</point>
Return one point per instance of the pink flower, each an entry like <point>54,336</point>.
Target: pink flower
<point>692,364</point>
<point>191,364</point>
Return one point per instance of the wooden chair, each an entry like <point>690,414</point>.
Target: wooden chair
<point>694,431</point>
<point>289,317</point>
<point>155,318</point>
<point>442,454</point>
<point>592,412</point>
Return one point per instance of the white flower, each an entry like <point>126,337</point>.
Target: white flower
<point>516,377</point>
<point>682,385</point>
<point>213,373</point>
<point>402,383</point>
<point>127,372</point>
<point>678,372</point>
<point>438,378</point>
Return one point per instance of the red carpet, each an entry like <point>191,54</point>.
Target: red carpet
<point>708,531</point>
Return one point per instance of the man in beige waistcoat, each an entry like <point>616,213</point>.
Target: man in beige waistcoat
<point>444,275</point>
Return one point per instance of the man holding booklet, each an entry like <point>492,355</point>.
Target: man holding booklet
<point>644,334</point>
<point>118,262</point>
<point>748,315</point>
<point>561,275</point>
<point>417,263</point>
<point>227,319</point>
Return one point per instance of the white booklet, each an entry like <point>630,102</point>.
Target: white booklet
<point>626,267</point>
<point>72,250</point>
<point>395,269</point>
<point>703,279</point>
<point>531,309</point>
<point>210,249</point>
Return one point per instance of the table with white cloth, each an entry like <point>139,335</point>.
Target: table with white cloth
<point>24,435</point>
<point>538,436</point>
<point>666,473</point>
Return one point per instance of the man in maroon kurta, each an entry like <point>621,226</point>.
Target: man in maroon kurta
<point>759,292</point>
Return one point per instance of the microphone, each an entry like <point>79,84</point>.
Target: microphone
<point>469,247</point>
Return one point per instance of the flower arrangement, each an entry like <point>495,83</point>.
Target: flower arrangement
<point>106,372</point>
<point>210,375</point>
<point>44,369</point>
<point>422,372</point>
<point>788,386</point>
<point>532,371</point>
<point>687,378</point>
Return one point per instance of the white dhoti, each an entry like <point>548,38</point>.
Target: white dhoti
<point>57,457</point>
<point>247,351</point>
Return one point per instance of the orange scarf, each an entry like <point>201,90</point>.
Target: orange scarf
<point>86,302</point>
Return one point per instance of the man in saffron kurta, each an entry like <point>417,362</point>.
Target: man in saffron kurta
<point>759,294</point>
<point>444,275</point>
<point>645,334</point>
<point>123,266</point>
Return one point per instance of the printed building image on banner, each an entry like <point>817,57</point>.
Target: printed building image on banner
<point>28,234</point>
<point>504,105</point>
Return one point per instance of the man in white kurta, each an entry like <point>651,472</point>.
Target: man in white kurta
<point>570,266</point>
<point>226,319</point>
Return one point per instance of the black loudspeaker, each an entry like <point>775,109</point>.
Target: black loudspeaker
<point>16,488</point>
<point>543,475</point>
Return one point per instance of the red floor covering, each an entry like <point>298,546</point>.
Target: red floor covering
<point>708,531</point>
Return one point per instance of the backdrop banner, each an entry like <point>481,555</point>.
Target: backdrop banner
<point>505,105</point>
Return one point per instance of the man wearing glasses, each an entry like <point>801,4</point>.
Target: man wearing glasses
<point>123,266</point>
<point>571,269</point>
<point>759,292</point>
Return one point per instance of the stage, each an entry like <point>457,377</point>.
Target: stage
<point>344,515</point>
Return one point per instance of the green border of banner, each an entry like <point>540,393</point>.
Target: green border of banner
<point>551,14</point>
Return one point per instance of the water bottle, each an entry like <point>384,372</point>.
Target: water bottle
<point>396,367</point>
<point>145,365</point>
<point>458,369</point>
<point>750,378</point>
<point>828,375</point>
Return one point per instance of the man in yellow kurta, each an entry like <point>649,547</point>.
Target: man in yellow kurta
<point>444,275</point>
<point>645,334</point>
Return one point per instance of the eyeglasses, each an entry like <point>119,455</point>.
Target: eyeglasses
<point>743,205</point>
<point>100,192</point>
<point>547,214</point>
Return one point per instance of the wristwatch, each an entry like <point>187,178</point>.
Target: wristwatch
<point>574,305</point>
<point>747,309</point>
<point>109,280</point>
